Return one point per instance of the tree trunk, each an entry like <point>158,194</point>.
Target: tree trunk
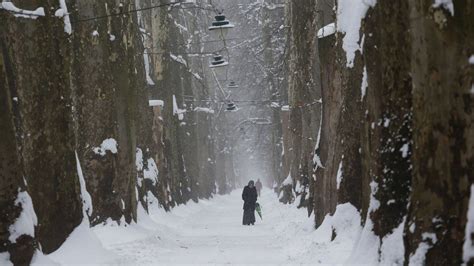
<point>106,82</point>
<point>21,248</point>
<point>304,91</point>
<point>169,88</point>
<point>40,55</point>
<point>387,147</point>
<point>442,133</point>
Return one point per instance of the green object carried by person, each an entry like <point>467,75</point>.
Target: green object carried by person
<point>258,208</point>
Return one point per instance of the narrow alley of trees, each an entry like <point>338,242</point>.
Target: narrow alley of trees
<point>107,107</point>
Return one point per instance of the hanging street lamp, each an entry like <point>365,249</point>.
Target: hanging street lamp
<point>232,85</point>
<point>220,26</point>
<point>230,106</point>
<point>218,64</point>
<point>218,61</point>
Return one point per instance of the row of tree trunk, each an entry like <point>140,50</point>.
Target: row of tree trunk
<point>75,107</point>
<point>396,138</point>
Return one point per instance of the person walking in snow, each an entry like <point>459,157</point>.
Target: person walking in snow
<point>249,196</point>
<point>258,186</point>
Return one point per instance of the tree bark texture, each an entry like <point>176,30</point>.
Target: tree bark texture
<point>39,52</point>
<point>107,98</point>
<point>304,91</point>
<point>443,135</point>
<point>11,177</point>
<point>387,133</point>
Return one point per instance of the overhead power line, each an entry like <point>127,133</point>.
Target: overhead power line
<point>142,9</point>
<point>182,53</point>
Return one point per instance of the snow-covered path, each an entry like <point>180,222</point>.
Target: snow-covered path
<point>211,233</point>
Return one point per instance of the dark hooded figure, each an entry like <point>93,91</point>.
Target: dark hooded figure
<point>249,195</point>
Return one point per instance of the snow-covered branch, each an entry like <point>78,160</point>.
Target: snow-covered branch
<point>22,13</point>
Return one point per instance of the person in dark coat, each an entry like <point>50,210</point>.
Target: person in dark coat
<point>258,186</point>
<point>249,195</point>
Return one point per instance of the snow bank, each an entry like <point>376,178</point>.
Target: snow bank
<point>309,246</point>
<point>5,259</point>
<point>365,250</point>
<point>366,247</point>
<point>109,144</point>
<point>112,234</point>
<point>392,251</point>
<point>345,222</point>
<point>143,218</point>
<point>82,247</point>
<point>40,259</point>
<point>154,205</point>
<point>26,222</point>
<point>210,232</point>
<point>156,223</point>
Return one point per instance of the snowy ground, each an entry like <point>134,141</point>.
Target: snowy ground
<point>210,233</point>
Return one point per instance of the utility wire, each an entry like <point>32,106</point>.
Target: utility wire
<point>142,9</point>
<point>183,53</point>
